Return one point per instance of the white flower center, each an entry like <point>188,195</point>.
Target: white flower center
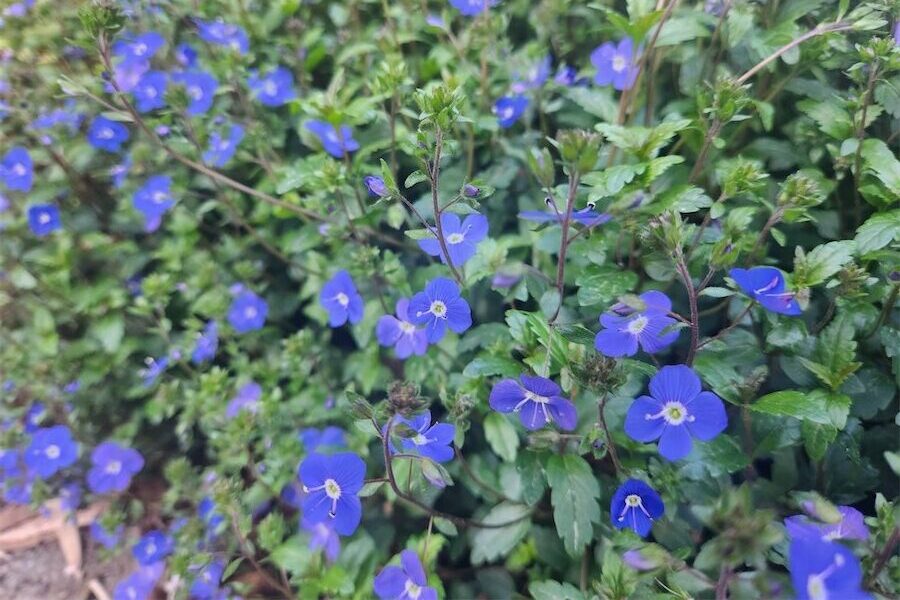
<point>438,309</point>
<point>114,468</point>
<point>342,299</point>
<point>105,134</point>
<point>159,197</point>
<point>633,501</point>
<point>52,452</point>
<point>675,413</point>
<point>455,238</point>
<point>637,325</point>
<point>140,49</point>
<point>407,327</point>
<point>619,63</point>
<point>412,590</point>
<point>44,218</point>
<point>150,91</point>
<point>250,312</point>
<point>270,88</point>
<point>420,440</point>
<point>508,112</point>
<point>332,489</point>
<point>151,549</point>
<point>195,92</point>
<point>19,170</point>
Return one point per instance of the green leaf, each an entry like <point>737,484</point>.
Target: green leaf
<point>492,543</point>
<point>721,456</point>
<point>822,262</point>
<point>878,231</point>
<point>553,590</point>
<point>817,406</point>
<point>574,495</point>
<point>531,472</point>
<point>883,163</point>
<point>502,436</point>
<point>445,526</point>
<point>817,438</point>
<point>605,286</point>
<point>485,366</point>
<point>109,332</point>
<point>414,178</point>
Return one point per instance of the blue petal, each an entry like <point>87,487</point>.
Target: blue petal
<point>459,315</point>
<point>675,383</point>
<point>709,416</point>
<point>675,442</point>
<point>347,515</point>
<point>563,412</point>
<point>390,583</point>
<point>638,426</point>
<point>413,567</point>
<point>505,395</point>
<point>615,343</point>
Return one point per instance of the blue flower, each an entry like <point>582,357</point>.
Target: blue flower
<point>615,64</point>
<point>140,584</point>
<point>332,484</point>
<point>153,547</point>
<point>106,134</point>
<point>273,88</point>
<point>17,169</point>
<point>401,333</point>
<point>154,199</point>
<point>534,78</point>
<point>43,219</point>
<point>586,216</point>
<point>247,312</point>
<point>627,327</point>
<point>138,48</point>
<point>566,75</point>
<point>107,539</point>
<point>112,467</point>
<point>821,570</point>
<point>221,149</point>
<point>150,91</point>
<point>406,582</point>
<point>508,110</point>
<point>462,238</point>
<point>201,90</point>
<point>126,75</point>
<point>430,441</point>
<point>155,368</point>
<point>51,449</point>
<point>766,286</point>
<point>207,344</point>
<point>224,34</point>
<point>537,400</point>
<point>635,505</point>
<point>120,171</point>
<point>206,584</point>
<point>322,536</point>
<point>315,440</point>
<point>341,300</point>
<point>247,398</point>
<point>472,8</point>
<point>376,186</point>
<point>36,413</point>
<point>438,307</point>
<point>70,496</point>
<point>676,410</point>
<point>185,55</point>
<point>336,142</point>
<point>852,526</point>
<point>206,510</point>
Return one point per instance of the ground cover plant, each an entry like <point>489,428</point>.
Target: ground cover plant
<point>478,298</point>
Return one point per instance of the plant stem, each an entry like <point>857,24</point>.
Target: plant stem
<point>735,323</point>
<point>611,447</point>
<point>574,179</point>
<point>681,268</point>
<point>885,554</point>
<point>434,176</point>
<point>821,29</point>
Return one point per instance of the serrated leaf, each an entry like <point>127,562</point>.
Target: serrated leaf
<point>880,230</point>
<point>574,493</point>
<point>553,590</point>
<point>502,436</point>
<point>489,544</point>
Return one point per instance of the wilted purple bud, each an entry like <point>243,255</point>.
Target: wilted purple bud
<point>646,558</point>
<point>505,280</point>
<point>376,186</point>
<point>162,130</point>
<point>471,191</point>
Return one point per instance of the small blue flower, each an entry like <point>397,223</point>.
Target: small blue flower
<point>376,186</point>
<point>126,75</point>
<point>438,307</point>
<point>852,526</point>
<point>431,441</point>
<point>222,149</point>
<point>154,199</point>
<point>462,238</point>
<point>566,75</point>
<point>155,368</point>
<point>138,48</point>
<point>106,134</point>
<point>206,510</point>
<point>322,536</point>
<point>766,285</point>
<point>206,584</point>
<point>113,467</point>
<point>472,8</point>
<point>247,398</point>
<point>586,216</point>
<point>615,64</point>
<point>821,570</point>
<point>677,410</point>
<point>33,418</point>
<point>140,584</point>
<point>635,505</point>
<point>43,219</point>
<point>537,400</point>
<point>627,327</point>
<point>401,333</point>
<point>207,344</point>
<point>336,142</point>
<point>17,170</point>
<point>153,547</point>
<point>247,312</point>
<point>273,88</point>
<point>536,76</point>
<point>201,90</point>
<point>332,484</point>
<point>508,110</point>
<point>120,171</point>
<point>317,440</point>
<point>406,582</point>
<point>224,34</point>
<point>107,539</point>
<point>70,496</point>
<point>341,300</point>
<point>149,93</point>
<point>51,449</point>
<point>185,55</point>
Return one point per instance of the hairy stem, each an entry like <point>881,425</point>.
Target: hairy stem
<point>574,179</point>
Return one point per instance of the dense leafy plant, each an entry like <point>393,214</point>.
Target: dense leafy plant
<point>310,291</point>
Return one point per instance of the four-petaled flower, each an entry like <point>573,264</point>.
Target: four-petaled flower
<point>676,410</point>
<point>224,34</point>
<point>153,547</point>
<point>508,110</point>
<point>322,536</point>
<point>43,219</point>
<point>149,93</point>
<point>51,449</point>
<point>537,400</point>
<point>247,398</point>
<point>341,300</point>
<point>17,170</point>
<point>335,141</point>
<point>766,286</point>
<point>438,307</point>
<point>154,199</point>
<point>201,90</point>
<point>406,582</point>
<point>635,505</point>
<point>431,441</point>
<point>247,312</point>
<point>615,64</point>
<point>331,484</point>
<point>461,238</point>
<point>401,333</point>
<point>472,8</point>
<point>106,134</point>
<point>821,570</point>
<point>627,327</point>
<point>113,467</point>
<point>207,344</point>
<point>221,149</point>
<point>273,88</point>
